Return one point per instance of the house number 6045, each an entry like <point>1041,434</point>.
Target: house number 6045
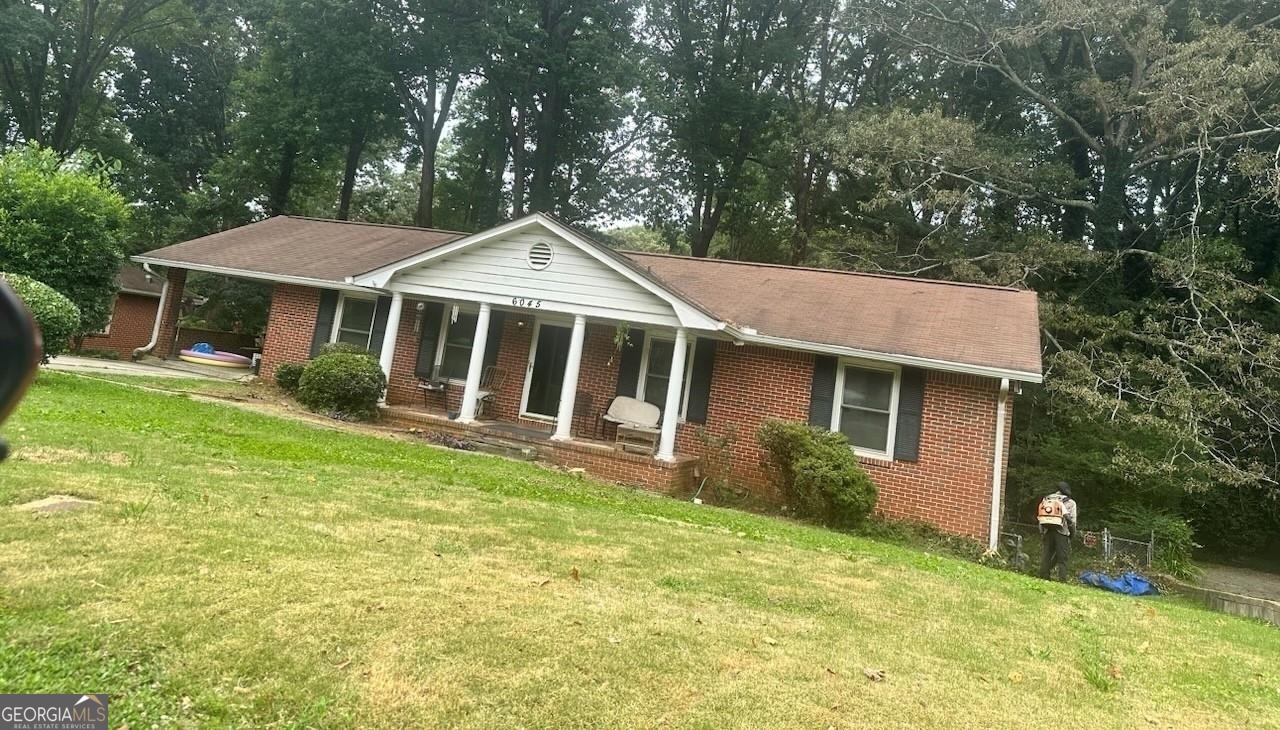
<point>527,303</point>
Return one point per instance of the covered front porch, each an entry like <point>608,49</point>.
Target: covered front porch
<point>530,326</point>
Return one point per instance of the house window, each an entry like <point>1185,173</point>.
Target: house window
<point>866,407</point>
<point>655,373</point>
<point>354,323</point>
<point>455,346</point>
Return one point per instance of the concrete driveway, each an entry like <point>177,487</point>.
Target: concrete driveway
<point>153,368</point>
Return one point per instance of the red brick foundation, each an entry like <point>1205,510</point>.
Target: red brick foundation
<point>600,460</point>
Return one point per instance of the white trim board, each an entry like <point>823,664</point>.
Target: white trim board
<point>256,275</point>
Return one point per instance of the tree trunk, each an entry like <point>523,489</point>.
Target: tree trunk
<point>426,186</point>
<point>545,152</point>
<point>517,165</point>
<point>1112,209</point>
<point>278,200</point>
<point>355,148</point>
<point>1074,223</point>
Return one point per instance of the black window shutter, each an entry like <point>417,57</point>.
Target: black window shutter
<point>324,320</point>
<point>629,363</point>
<point>704,360</point>
<point>380,312</point>
<point>432,314</point>
<point>906,443</point>
<point>822,393</point>
<point>494,341</point>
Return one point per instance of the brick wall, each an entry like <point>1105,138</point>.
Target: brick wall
<point>290,326</point>
<point>165,343</point>
<point>226,341</point>
<point>748,386</point>
<point>949,486</point>
<point>132,320</point>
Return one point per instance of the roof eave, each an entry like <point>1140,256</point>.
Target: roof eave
<point>1023,376</point>
<point>254,275</point>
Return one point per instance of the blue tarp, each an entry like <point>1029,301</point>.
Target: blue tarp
<point>1130,584</point>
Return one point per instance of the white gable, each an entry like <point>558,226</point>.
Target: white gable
<point>507,270</point>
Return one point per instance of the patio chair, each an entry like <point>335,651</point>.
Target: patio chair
<point>492,379</point>
<point>637,424</point>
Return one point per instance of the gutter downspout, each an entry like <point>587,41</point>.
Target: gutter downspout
<point>997,468</point>
<point>155,328</point>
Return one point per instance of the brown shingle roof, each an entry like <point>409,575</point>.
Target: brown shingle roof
<point>309,248</point>
<point>134,280</point>
<point>959,323</point>
<point>987,327</point>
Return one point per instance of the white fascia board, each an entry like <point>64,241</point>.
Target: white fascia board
<point>256,275</point>
<point>498,300</point>
<point>909,360</point>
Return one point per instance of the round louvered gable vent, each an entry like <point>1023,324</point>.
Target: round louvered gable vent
<point>540,255</point>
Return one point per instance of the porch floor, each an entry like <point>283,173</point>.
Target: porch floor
<point>602,459</point>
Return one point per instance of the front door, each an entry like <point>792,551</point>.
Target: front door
<point>546,370</point>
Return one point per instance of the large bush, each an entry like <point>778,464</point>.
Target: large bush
<point>817,472</point>
<point>343,385</point>
<point>62,223</point>
<point>289,375</point>
<point>56,315</point>
<point>1174,538</point>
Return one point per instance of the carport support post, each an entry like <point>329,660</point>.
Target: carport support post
<point>388,351</point>
<point>569,388</point>
<point>675,387</point>
<point>475,368</point>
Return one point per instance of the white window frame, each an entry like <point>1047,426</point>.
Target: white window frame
<point>838,404</point>
<point>337,318</point>
<point>688,370</point>
<point>446,321</point>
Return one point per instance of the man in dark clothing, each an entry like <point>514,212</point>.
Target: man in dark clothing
<point>1057,517</point>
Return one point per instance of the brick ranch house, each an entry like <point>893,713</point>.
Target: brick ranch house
<point>918,373</point>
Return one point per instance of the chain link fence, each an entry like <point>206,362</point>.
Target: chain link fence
<point>1123,550</point>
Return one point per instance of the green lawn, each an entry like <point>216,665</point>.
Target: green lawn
<point>247,571</point>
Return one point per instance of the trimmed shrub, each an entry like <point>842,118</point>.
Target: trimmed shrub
<point>343,385</point>
<point>56,315</point>
<point>344,348</point>
<point>817,472</point>
<point>288,375</point>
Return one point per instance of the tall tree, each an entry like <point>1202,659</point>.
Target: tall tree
<point>720,66</point>
<point>436,45</point>
<point>53,55</point>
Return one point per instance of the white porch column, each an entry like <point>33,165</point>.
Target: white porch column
<point>675,385</point>
<point>475,368</point>
<point>389,338</point>
<point>569,388</point>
